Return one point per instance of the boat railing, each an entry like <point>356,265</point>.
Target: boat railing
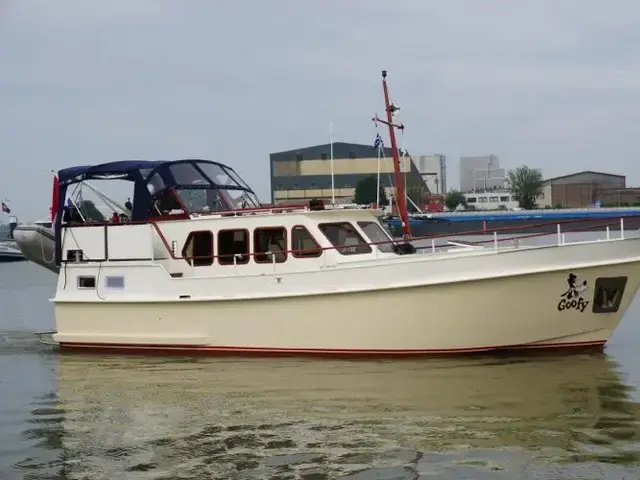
<point>540,211</point>
<point>560,235</point>
<point>611,221</point>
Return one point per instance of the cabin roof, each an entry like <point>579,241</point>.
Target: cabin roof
<point>122,169</point>
<point>126,168</point>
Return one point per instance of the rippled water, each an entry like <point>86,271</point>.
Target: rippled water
<point>110,417</point>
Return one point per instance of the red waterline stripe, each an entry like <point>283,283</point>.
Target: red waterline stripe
<point>264,351</point>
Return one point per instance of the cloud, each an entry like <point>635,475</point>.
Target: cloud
<point>553,84</point>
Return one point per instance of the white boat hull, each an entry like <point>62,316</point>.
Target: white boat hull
<point>37,244</point>
<point>514,303</point>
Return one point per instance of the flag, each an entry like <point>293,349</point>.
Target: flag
<point>5,208</point>
<point>378,143</point>
<point>54,198</point>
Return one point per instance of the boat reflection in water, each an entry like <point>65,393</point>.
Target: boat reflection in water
<point>293,418</point>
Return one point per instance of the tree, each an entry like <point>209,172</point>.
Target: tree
<point>366,192</point>
<point>526,185</point>
<point>453,199</point>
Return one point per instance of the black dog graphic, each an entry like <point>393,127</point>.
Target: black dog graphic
<point>575,289</point>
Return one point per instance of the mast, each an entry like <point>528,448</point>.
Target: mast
<point>401,199</point>
<point>333,195</point>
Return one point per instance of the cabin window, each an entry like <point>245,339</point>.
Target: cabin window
<point>493,199</point>
<point>471,200</point>
<point>87,282</point>
<point>482,200</point>
<point>270,244</point>
<point>345,238</point>
<point>504,199</point>
<point>303,245</point>
<point>608,294</point>
<point>198,249</point>
<point>233,247</point>
<point>376,234</point>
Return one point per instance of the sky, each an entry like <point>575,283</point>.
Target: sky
<point>553,84</point>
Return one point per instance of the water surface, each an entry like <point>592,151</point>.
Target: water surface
<point>77,416</point>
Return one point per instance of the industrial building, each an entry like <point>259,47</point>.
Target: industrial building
<point>481,173</point>
<point>305,173</point>
<point>586,189</point>
<point>433,170</point>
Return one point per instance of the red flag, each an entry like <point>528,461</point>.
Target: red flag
<point>54,198</point>
<point>5,208</point>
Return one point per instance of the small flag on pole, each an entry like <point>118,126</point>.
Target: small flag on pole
<point>378,143</point>
<point>5,208</point>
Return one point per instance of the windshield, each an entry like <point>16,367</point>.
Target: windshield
<point>238,199</point>
<point>218,175</point>
<point>201,200</point>
<point>203,187</point>
<point>186,174</point>
<point>207,200</point>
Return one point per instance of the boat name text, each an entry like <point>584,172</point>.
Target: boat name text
<point>578,304</point>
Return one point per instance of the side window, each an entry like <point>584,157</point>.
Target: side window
<point>233,247</point>
<point>345,238</point>
<point>303,245</point>
<point>377,235</point>
<point>198,249</point>
<point>270,243</point>
<point>86,282</point>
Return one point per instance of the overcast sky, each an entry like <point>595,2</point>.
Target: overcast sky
<point>553,84</point>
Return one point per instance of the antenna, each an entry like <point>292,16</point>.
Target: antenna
<point>333,195</point>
